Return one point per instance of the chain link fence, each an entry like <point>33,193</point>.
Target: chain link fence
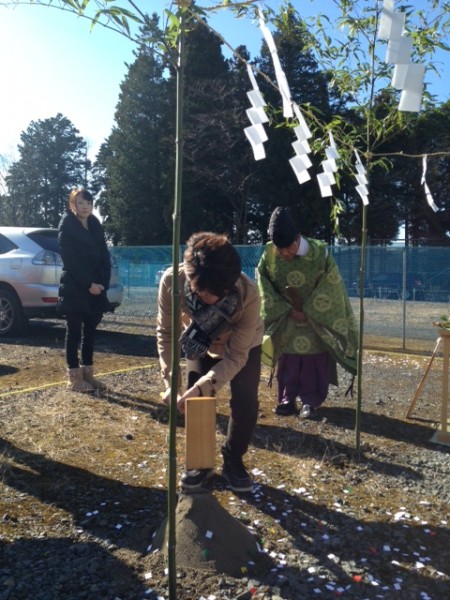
<point>404,289</point>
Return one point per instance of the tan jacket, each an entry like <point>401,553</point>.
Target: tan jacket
<point>245,331</point>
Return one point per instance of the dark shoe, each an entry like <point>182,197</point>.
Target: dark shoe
<point>285,409</point>
<point>236,475</point>
<point>195,478</point>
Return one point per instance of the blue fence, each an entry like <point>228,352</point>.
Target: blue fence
<point>391,272</point>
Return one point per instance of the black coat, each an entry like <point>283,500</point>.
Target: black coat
<point>86,260</point>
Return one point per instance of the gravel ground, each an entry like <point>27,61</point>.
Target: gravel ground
<point>83,485</point>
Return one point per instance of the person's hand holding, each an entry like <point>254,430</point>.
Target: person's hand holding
<point>165,397</point>
<point>96,289</point>
<point>192,392</point>
<point>297,315</point>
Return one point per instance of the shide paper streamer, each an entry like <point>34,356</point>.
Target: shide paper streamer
<point>256,133</point>
<point>361,178</point>
<point>329,166</point>
<point>407,76</point>
<point>423,181</point>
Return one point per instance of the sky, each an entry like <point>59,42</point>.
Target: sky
<point>53,63</point>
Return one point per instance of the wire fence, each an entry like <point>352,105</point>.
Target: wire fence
<point>404,290</point>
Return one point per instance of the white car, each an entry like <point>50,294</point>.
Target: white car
<point>30,268</point>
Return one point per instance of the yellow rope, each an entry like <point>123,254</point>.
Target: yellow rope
<point>56,383</point>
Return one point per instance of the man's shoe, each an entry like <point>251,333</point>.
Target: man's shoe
<point>236,475</point>
<point>305,411</point>
<point>308,412</point>
<point>285,409</point>
<point>195,478</point>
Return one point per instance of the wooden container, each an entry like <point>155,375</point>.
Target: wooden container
<point>200,426</point>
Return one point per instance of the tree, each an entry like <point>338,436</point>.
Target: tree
<point>134,168</point>
<point>52,162</point>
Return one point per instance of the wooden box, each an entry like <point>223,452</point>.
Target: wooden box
<point>200,425</point>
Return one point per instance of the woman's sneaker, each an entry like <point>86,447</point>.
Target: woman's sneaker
<point>195,478</point>
<point>236,475</point>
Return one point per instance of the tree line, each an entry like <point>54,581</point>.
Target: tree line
<point>224,188</point>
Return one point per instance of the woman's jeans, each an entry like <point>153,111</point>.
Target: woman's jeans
<point>80,329</point>
<point>243,402</point>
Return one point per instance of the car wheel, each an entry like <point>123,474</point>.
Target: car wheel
<point>12,319</point>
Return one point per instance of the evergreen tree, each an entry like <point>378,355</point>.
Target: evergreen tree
<point>52,162</point>
<point>134,168</point>
<point>219,163</point>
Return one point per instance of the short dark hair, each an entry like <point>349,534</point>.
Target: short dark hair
<point>211,263</point>
<point>282,230</point>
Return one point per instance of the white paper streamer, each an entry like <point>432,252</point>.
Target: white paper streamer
<point>256,134</point>
<point>301,162</point>
<point>407,77</point>
<point>423,181</point>
<point>361,178</point>
<point>386,20</point>
<point>283,85</point>
<point>399,51</point>
<point>329,166</point>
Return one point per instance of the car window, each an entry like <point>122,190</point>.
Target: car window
<point>6,245</point>
<point>46,238</point>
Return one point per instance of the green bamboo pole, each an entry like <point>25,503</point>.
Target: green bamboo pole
<point>362,269</point>
<point>176,216</point>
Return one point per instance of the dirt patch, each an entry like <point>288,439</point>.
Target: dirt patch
<point>83,485</point>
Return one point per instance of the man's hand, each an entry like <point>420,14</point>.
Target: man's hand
<point>297,315</point>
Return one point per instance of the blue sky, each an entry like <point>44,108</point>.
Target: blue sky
<point>52,62</point>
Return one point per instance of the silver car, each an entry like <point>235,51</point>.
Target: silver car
<point>30,268</point>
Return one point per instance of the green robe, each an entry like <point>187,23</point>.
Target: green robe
<point>313,284</point>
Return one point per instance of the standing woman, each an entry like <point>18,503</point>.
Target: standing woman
<point>82,291</point>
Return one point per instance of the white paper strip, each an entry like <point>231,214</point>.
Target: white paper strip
<point>397,25</point>
<point>301,147</point>
<point>386,20</point>
<point>300,163</point>
<point>361,188</point>
<point>329,165</point>
<point>252,77</point>
<point>301,133</point>
<point>331,153</point>
<point>423,181</point>
<point>362,179</point>
<point>256,98</point>
<point>324,189</point>
<point>399,51</point>
<point>360,168</point>
<point>399,76</point>
<point>332,142</point>
<point>303,176</point>
<point>326,178</point>
<point>257,115</point>
<point>414,77</point>
<point>410,101</point>
<point>302,122</point>
<point>283,85</point>
<point>256,134</point>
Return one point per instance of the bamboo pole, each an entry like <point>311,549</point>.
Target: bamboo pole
<point>175,375</point>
